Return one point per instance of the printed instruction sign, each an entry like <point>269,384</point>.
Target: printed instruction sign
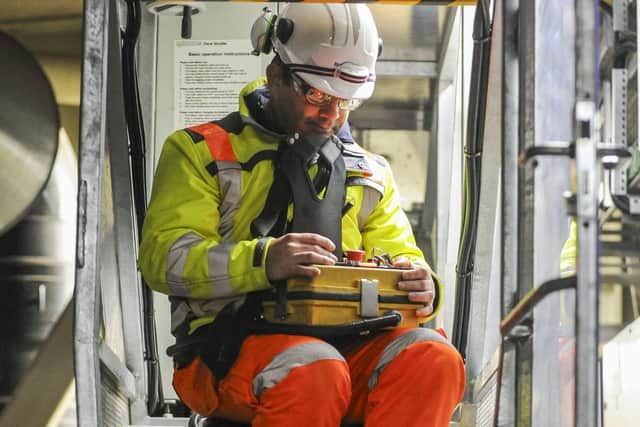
<point>209,75</point>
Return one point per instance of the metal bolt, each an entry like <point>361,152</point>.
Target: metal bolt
<point>519,333</point>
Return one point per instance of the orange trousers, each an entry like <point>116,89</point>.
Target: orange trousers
<point>400,377</point>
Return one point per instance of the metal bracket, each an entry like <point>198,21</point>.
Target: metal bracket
<point>620,15</point>
<point>81,244</point>
<point>612,155</point>
<point>280,310</point>
<point>368,298</point>
<point>634,205</point>
<point>526,305</point>
<point>521,332</point>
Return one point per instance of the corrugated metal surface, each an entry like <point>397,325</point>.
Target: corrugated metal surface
<point>115,406</point>
<point>487,402</point>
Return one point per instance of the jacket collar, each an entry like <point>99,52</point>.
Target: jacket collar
<point>255,95</point>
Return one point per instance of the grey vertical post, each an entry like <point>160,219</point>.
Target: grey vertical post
<point>428,219</point>
<point>525,201</point>
<point>146,58</point>
<point>124,226</point>
<point>586,137</point>
<point>91,156</point>
<point>510,129</point>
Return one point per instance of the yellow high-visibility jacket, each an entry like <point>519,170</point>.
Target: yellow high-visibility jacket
<point>569,252</point>
<point>210,183</point>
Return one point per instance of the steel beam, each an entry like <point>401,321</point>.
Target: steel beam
<point>91,156</point>
<point>587,172</point>
<point>525,202</point>
<point>506,401</point>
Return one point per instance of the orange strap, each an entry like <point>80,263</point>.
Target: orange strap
<point>217,140</point>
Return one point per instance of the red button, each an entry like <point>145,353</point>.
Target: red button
<point>355,255</point>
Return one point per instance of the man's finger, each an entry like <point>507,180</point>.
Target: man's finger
<point>416,274</point>
<point>402,262</point>
<point>306,271</point>
<point>422,284</point>
<point>313,239</point>
<point>426,297</point>
<point>311,257</point>
<point>424,311</point>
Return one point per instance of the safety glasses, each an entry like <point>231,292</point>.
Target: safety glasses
<point>316,97</point>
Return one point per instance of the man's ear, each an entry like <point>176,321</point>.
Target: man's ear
<point>274,75</point>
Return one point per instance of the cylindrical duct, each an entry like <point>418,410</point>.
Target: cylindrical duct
<point>37,219</point>
<point>37,271</point>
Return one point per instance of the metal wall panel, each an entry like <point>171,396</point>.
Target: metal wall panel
<point>450,129</point>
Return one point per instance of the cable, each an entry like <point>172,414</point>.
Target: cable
<point>472,173</point>
<point>137,150</point>
<point>186,22</point>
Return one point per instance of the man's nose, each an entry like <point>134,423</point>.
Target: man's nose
<point>330,110</point>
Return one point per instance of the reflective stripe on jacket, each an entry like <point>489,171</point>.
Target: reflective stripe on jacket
<point>211,181</point>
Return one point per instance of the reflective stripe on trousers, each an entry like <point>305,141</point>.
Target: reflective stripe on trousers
<point>402,377</point>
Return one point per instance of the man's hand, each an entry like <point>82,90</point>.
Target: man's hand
<point>292,254</point>
<point>419,283</point>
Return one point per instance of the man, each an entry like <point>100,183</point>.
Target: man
<point>217,231</point>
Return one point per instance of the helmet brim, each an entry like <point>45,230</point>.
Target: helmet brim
<point>338,87</point>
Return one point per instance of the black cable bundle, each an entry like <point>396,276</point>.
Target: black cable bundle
<point>135,129</point>
<point>472,169</point>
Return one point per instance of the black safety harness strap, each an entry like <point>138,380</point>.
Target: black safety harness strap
<point>272,221</point>
<point>314,213</point>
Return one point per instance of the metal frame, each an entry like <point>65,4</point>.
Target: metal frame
<point>91,155</point>
<point>586,136</point>
<point>618,106</point>
<point>526,305</point>
<point>483,338</point>
<point>103,122</point>
<point>529,263</point>
<point>134,373</point>
<point>449,130</point>
<point>619,81</point>
<point>525,202</point>
<point>146,56</point>
<point>505,399</point>
<point>427,232</point>
<point>587,170</point>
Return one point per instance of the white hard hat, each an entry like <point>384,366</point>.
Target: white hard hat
<point>332,47</point>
